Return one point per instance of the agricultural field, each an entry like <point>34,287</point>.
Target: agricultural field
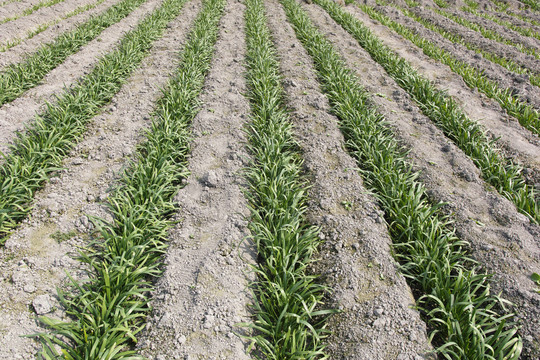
<point>270,179</point>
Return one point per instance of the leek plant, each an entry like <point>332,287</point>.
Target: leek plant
<point>17,78</point>
<point>39,151</point>
<point>470,137</point>
<point>16,41</point>
<point>462,314</point>
<point>533,4</point>
<point>288,319</point>
<point>109,309</point>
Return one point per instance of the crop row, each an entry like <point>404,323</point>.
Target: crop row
<point>505,62</point>
<point>38,152</point>
<point>489,34</point>
<point>31,10</point>
<point>456,301</point>
<point>445,113</point>
<point>526,114</point>
<point>472,7</point>
<point>287,317</point>
<point>111,306</point>
<point>30,34</point>
<point>20,77</point>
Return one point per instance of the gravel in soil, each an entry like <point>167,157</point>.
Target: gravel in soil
<point>377,319</point>
<point>17,53</point>
<point>503,241</point>
<point>15,115</point>
<point>203,294</point>
<point>16,7</point>
<point>506,79</point>
<point>19,27</point>
<point>518,143</point>
<point>35,258</point>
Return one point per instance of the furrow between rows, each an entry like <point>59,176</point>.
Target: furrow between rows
<point>203,294</point>
<point>377,319</point>
<point>18,115</point>
<point>489,223</point>
<point>447,114</point>
<point>16,52</point>
<point>17,78</point>
<point>38,152</point>
<point>37,255</point>
<point>431,256</point>
<point>16,35</point>
<point>111,308</point>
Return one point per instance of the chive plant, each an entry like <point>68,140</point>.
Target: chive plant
<point>109,309</point>
<point>14,42</point>
<point>527,115</point>
<point>462,314</point>
<point>39,151</point>
<point>533,4</point>
<point>503,174</point>
<point>489,34</point>
<point>507,63</point>
<point>525,31</point>
<point>31,10</point>
<point>288,320</point>
<point>18,78</point>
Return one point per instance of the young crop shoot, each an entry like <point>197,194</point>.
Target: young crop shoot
<point>288,319</point>
<point>507,63</point>
<point>41,28</point>
<point>472,7</point>
<point>39,151</point>
<point>31,10</point>
<point>18,78</point>
<point>527,115</point>
<point>462,314</point>
<point>489,34</point>
<point>109,309</point>
<point>445,112</point>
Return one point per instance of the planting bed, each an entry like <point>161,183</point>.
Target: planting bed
<point>273,225</point>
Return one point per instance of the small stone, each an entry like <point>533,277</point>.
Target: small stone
<point>181,339</point>
<point>378,311</point>
<point>29,288</point>
<point>211,179</point>
<point>42,304</point>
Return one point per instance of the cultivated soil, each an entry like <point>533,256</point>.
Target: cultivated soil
<point>201,303</point>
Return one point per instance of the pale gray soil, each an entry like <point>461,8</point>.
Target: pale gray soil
<point>477,39</point>
<point>17,53</point>
<point>20,27</point>
<point>378,320</point>
<point>203,295</point>
<point>15,8</point>
<point>32,263</point>
<point>502,240</point>
<point>518,142</point>
<point>518,83</point>
<point>15,115</point>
